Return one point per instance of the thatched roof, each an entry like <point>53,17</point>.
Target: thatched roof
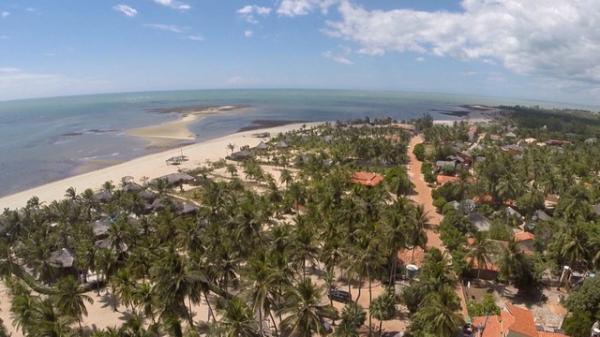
<point>132,187</point>
<point>102,196</point>
<point>479,221</point>
<point>241,155</point>
<point>175,178</point>
<point>262,146</point>
<point>62,258</point>
<point>101,227</point>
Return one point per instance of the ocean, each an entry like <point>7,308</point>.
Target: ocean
<point>43,140</point>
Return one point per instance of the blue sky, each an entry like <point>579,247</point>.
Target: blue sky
<point>513,48</point>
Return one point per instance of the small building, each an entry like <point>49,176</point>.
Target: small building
<point>282,145</point>
<point>132,187</point>
<point>525,242</point>
<point>415,255</point>
<point>241,155</point>
<point>262,146</point>
<point>540,215</point>
<point>596,209</point>
<point>591,141</point>
<point>62,258</point>
<point>102,196</point>
<point>187,208</point>
<point>101,227</point>
<point>441,165</point>
<point>512,149</point>
<point>513,321</point>
<point>479,221</point>
<point>513,213</point>
<point>174,179</point>
<point>367,178</point>
<point>443,179</point>
<point>550,201</point>
<point>510,134</point>
<point>472,133</point>
<point>557,142</point>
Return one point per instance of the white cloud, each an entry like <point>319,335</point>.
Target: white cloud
<point>198,38</point>
<point>248,33</point>
<point>249,12</point>
<point>339,57</point>
<point>126,10</point>
<point>4,14</point>
<point>166,28</point>
<point>557,39</point>
<point>303,7</point>
<point>420,59</point>
<point>174,4</point>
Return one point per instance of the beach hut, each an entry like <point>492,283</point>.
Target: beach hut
<point>187,208</point>
<point>540,215</point>
<point>131,187</point>
<point>62,258</point>
<point>177,178</point>
<point>596,209</point>
<point>262,146</point>
<point>102,196</point>
<point>480,222</point>
<point>282,145</point>
<point>241,155</point>
<point>101,227</point>
<point>367,178</point>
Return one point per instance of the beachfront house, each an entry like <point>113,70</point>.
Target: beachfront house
<point>101,227</point>
<point>369,179</point>
<point>513,321</point>
<point>62,258</point>
<point>479,221</point>
<point>282,145</point>
<point>102,196</point>
<point>241,155</point>
<point>175,179</point>
<point>262,146</point>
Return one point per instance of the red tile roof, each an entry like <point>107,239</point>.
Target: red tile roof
<point>442,180</point>
<point>524,236</point>
<point>513,319</point>
<point>367,178</point>
<point>405,256</point>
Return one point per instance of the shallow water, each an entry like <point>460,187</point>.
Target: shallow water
<point>43,140</point>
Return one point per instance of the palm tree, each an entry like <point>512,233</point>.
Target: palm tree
<point>143,297</point>
<point>304,314</point>
<point>383,308</point>
<point>353,317</point>
<point>50,323</point>
<point>69,301</point>
<point>438,312</point>
<point>124,287</point>
<point>231,147</point>
<point>416,236</point>
<point>286,177</point>
<point>70,193</point>
<point>238,321</point>
<point>480,253</point>
<point>23,307</point>
<point>263,281</point>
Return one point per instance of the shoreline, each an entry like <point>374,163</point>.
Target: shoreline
<point>151,166</point>
<point>173,133</point>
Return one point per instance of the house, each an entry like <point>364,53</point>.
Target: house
<point>175,179</point>
<point>512,213</point>
<point>472,133</point>
<point>479,221</point>
<point>442,179</point>
<point>540,215</point>
<point>367,178</point>
<point>530,140</point>
<point>513,321</point>
<point>415,255</point>
<point>551,201</point>
<point>187,208</point>
<point>62,258</point>
<point>441,165</point>
<point>525,242</point>
<point>590,141</point>
<point>102,196</point>
<point>282,145</point>
<point>132,187</point>
<point>596,209</point>
<point>512,149</point>
<point>262,146</point>
<point>241,155</point>
<point>557,142</point>
<point>510,134</point>
<point>101,227</point>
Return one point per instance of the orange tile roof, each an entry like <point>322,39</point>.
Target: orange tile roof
<point>524,236</point>
<point>511,319</point>
<point>490,266</point>
<point>550,334</point>
<point>367,178</point>
<point>442,180</point>
<point>405,256</point>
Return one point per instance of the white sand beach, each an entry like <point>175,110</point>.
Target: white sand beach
<point>173,132</point>
<point>150,166</point>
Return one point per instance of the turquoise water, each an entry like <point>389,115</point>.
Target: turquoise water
<point>43,140</point>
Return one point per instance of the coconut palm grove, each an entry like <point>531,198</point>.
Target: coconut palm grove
<point>370,227</point>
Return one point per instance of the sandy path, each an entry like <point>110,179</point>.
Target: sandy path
<point>423,196</point>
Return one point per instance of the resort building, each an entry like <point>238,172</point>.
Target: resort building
<point>367,178</point>
<point>513,321</point>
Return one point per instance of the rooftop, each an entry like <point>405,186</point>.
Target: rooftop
<point>367,178</point>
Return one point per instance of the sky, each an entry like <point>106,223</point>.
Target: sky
<point>537,49</point>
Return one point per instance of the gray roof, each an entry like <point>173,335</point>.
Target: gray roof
<point>512,212</point>
<point>455,204</point>
<point>541,215</point>
<point>107,243</point>
<point>62,258</point>
<point>591,141</point>
<point>262,146</point>
<point>479,221</point>
<point>132,187</point>
<point>147,195</point>
<point>176,178</point>
<point>241,155</point>
<point>187,208</point>
<point>102,196</point>
<point>596,209</point>
<point>101,227</point>
<point>282,145</point>
<point>443,163</point>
